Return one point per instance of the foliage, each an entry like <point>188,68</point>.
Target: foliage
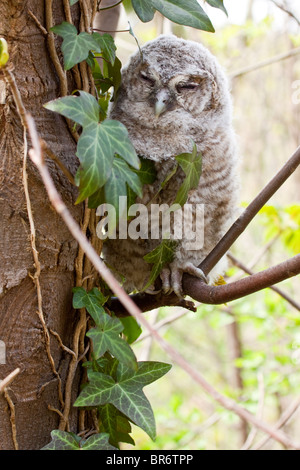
<point>62,440</point>
<point>109,168</point>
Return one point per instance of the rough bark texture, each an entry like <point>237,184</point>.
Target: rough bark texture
<point>36,386</point>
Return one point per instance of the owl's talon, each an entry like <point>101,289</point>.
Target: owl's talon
<point>189,268</point>
<point>165,278</point>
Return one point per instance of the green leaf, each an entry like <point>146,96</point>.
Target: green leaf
<point>62,440</point>
<point>82,109</point>
<point>186,12</point>
<point>97,198</point>
<point>217,4</point>
<point>115,424</point>
<point>107,46</point>
<point>125,393</point>
<point>75,47</point>
<point>72,2</point>
<point>106,337</point>
<point>112,73</point>
<point>121,174</point>
<point>96,148</point>
<point>132,329</point>
<point>93,301</point>
<point>159,257</point>
<point>98,442</point>
<point>147,172</point>
<point>144,9</point>
<point>191,163</point>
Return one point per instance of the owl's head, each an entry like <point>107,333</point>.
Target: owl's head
<point>172,77</point>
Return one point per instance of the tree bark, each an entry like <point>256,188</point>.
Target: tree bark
<point>36,386</point>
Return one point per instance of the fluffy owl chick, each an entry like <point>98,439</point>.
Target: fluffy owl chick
<point>172,95</point>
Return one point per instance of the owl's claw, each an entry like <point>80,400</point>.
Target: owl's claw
<point>165,279</point>
<point>171,277</point>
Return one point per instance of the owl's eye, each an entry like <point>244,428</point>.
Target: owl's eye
<point>147,79</point>
<point>186,86</point>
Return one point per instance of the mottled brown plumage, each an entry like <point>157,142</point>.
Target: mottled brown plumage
<point>175,94</point>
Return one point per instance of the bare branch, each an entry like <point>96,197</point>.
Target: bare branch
<point>265,63</point>
<point>244,268</point>
<point>287,11</point>
<point>8,380</point>
<point>250,212</point>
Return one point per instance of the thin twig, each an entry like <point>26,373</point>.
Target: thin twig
<point>244,268</point>
<point>250,212</point>
<point>287,11</point>
<point>58,162</point>
<point>286,415</point>
<point>12,418</point>
<point>260,409</point>
<point>264,63</point>
<point>8,380</point>
<point>38,23</point>
<point>52,49</point>
<point>63,347</point>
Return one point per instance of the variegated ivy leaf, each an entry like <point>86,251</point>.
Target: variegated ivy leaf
<point>106,334</point>
<point>121,174</point>
<point>106,45</point>
<point>159,257</point>
<point>106,337</point>
<point>75,47</point>
<point>62,440</point>
<point>191,163</point>
<point>96,149</point>
<point>83,109</point>
<point>125,392</point>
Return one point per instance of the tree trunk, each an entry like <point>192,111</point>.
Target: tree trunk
<point>25,420</point>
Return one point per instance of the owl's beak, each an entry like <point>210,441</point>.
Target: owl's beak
<point>162,99</point>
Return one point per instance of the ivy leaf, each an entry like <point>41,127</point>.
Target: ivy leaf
<point>121,174</point>
<point>113,73</point>
<point>75,47</point>
<point>186,12</point>
<point>115,424</point>
<point>107,46</point>
<point>93,301</point>
<point>82,109</point>
<point>72,2</point>
<point>106,337</point>
<point>96,148</point>
<point>132,329</point>
<point>217,4</point>
<point>62,440</point>
<point>147,172</point>
<point>98,442</point>
<point>125,393</point>
<point>159,257</point>
<point>144,9</point>
<point>191,163</point>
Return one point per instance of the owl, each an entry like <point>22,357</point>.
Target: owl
<point>174,96</point>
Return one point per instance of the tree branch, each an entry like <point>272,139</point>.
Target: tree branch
<point>37,157</point>
<point>250,212</point>
<point>201,292</point>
